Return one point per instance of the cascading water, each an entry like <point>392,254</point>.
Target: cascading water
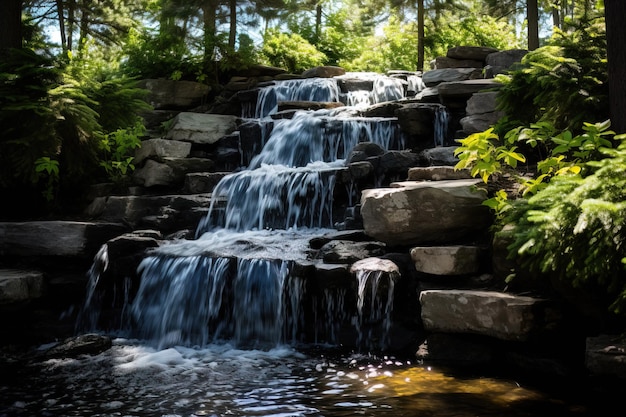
<point>236,280</point>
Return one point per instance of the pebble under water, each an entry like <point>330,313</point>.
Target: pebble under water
<point>132,379</point>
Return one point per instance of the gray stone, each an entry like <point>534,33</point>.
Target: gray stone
<point>201,128</point>
<point>485,102</point>
<point>257,70</point>
<point>55,238</point>
<point>438,76</point>
<point>437,173</point>
<point>376,264</point>
<point>606,355</point>
<point>447,260</point>
<point>442,155</point>
<point>330,276</point>
<point>202,182</point>
<point>164,213</point>
<point>170,172</point>
<point>495,314</point>
<point>442,62</point>
<point>20,285</point>
<point>161,148</point>
<point>478,53</point>
<point>324,72</point>
<point>86,344</point>
<point>415,212</point>
<point>170,94</point>
<point>466,88</point>
<point>398,161</point>
<point>416,119</point>
<point>505,59</point>
<point>479,122</point>
<point>347,252</point>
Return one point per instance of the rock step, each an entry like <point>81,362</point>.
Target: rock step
<point>20,285</point>
<point>170,172</point>
<point>56,238</point>
<point>166,213</point>
<point>202,182</point>
<point>447,260</point>
<point>496,314</point>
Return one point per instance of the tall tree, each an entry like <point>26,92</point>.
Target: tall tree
<point>420,35</point>
<point>11,25</point>
<point>532,18</point>
<point>615,16</point>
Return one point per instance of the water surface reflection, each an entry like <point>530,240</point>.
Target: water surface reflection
<point>131,379</point>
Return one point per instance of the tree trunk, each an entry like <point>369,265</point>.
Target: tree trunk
<point>11,25</point>
<point>60,12</point>
<point>532,16</point>
<point>318,23</point>
<point>615,15</point>
<point>209,11</point>
<point>420,35</point>
<point>232,35</point>
<point>71,23</point>
<point>556,14</point>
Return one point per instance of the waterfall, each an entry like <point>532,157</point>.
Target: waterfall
<point>195,300</point>
<point>235,281</point>
<point>376,313</point>
<point>440,125</point>
<point>308,89</point>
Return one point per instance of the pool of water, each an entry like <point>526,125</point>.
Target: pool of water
<point>132,379</point>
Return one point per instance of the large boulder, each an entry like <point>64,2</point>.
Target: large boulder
<point>201,128</point>
<point>416,212</point>
<point>489,313</point>
<point>323,72</point>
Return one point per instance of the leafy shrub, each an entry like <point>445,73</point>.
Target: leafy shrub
<point>290,51</point>
<point>575,230</point>
<point>118,149</point>
<point>564,83</point>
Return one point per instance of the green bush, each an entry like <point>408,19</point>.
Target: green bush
<point>564,82</point>
<point>574,230</point>
<point>290,51</point>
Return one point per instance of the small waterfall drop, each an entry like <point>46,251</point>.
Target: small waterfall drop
<point>377,312</point>
<point>308,89</point>
<point>440,125</point>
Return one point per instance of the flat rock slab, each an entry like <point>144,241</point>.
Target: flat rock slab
<point>466,88</point>
<point>437,173</point>
<point>489,313</point>
<point>56,238</point>
<point>447,260</point>
<point>419,212</point>
<point>201,128</point>
<point>20,285</point>
<point>170,94</point>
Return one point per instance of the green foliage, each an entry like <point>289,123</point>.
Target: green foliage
<point>396,48</point>
<point>290,51</point>
<point>118,149</point>
<point>164,55</point>
<point>564,82</point>
<point>472,28</point>
<point>28,115</point>
<point>564,153</point>
<point>574,229</point>
<point>52,121</point>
